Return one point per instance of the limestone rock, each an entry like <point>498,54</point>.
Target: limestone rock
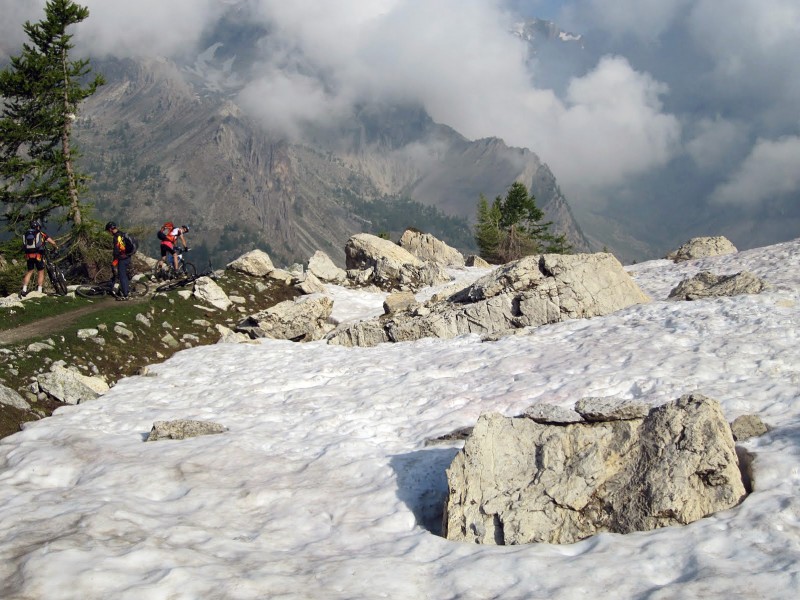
<point>517,481</point>
<point>427,247</point>
<point>302,319</point>
<point>393,267</point>
<point>324,268</point>
<point>183,428</point>
<point>397,301</point>
<point>701,247</point>
<point>707,285</point>
<point>610,409</point>
<point>70,386</point>
<point>532,291</point>
<point>745,427</point>
<point>256,263</point>
<point>207,290</point>
<point>9,397</point>
<point>476,261</point>
<point>310,284</point>
<point>550,413</point>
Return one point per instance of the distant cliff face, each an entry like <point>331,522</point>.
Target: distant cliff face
<point>158,148</point>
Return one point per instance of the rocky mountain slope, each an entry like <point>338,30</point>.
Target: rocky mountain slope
<point>160,146</point>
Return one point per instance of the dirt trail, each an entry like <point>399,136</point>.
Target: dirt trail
<point>44,327</point>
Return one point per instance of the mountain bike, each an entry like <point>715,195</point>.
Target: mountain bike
<point>54,273</point>
<point>166,271</point>
<point>136,288</point>
<point>183,281</point>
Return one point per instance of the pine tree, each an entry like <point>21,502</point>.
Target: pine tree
<point>511,228</point>
<point>40,92</point>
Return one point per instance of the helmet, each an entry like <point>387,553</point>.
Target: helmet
<point>110,225</point>
<point>185,227</point>
<point>35,224</point>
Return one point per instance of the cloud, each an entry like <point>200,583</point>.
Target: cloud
<point>716,142</point>
<point>771,170</point>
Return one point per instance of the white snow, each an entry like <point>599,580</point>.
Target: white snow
<point>323,487</point>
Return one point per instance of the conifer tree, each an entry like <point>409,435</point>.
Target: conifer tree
<point>512,227</point>
<point>40,92</point>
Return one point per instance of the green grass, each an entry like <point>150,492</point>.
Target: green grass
<point>119,356</point>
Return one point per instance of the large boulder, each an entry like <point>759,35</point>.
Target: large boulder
<point>518,480</point>
<point>707,285</point>
<point>303,319</point>
<point>702,247</point>
<point>529,292</point>
<point>427,247</point>
<point>321,265</point>
<point>207,290</point>
<point>391,267</point>
<point>9,397</point>
<point>70,386</point>
<point>256,263</point>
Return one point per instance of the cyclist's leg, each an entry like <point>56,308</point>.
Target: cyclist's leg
<point>39,274</point>
<point>124,265</point>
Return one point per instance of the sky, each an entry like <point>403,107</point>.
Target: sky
<point>684,103</point>
<point>323,485</point>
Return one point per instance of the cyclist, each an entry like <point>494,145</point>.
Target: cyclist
<point>121,259</point>
<point>33,241</point>
<point>174,235</point>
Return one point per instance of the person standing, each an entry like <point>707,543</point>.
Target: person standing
<point>121,260</point>
<point>33,241</point>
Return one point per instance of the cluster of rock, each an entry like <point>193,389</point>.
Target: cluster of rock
<point>529,292</point>
<point>558,475</point>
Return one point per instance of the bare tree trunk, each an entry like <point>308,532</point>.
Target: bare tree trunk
<point>69,115</point>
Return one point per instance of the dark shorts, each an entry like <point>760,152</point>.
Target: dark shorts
<point>37,262</point>
<point>166,250</point>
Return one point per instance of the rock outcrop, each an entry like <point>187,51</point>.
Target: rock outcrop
<point>256,263</point>
<point>70,386</point>
<point>388,266</point>
<point>303,319</point>
<point>426,247</point>
<point>519,481</point>
<point>707,285</point>
<point>701,247</point>
<point>529,292</point>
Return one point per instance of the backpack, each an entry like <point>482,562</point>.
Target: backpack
<point>32,241</point>
<point>165,229</point>
<point>131,244</point>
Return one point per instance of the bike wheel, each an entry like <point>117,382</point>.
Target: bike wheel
<point>90,291</point>
<point>138,288</point>
<point>188,269</point>
<point>174,285</point>
<point>57,279</point>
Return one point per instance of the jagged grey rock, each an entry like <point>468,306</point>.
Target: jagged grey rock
<point>11,398</point>
<point>302,319</point>
<point>70,386</point>
<point>207,290</point>
<point>256,263</point>
<point>707,285</point>
<point>517,481</point>
<point>702,247</point>
<point>181,429</point>
<point>325,269</point>
<point>745,427</point>
<point>85,334</point>
<point>228,336</point>
<point>393,267</point>
<point>425,246</point>
<point>529,292</point>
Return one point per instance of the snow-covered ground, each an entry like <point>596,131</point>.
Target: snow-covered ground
<point>324,488</point>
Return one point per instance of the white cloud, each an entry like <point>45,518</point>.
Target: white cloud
<point>716,141</point>
<point>772,169</point>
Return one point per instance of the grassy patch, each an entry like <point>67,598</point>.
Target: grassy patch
<point>36,309</point>
<point>119,338</point>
